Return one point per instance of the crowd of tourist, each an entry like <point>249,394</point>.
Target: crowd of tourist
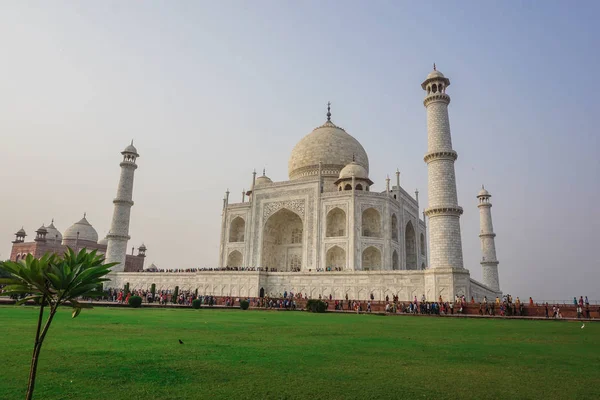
<point>505,306</point>
<point>225,269</point>
<point>178,270</point>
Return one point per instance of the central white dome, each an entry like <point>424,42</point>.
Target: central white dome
<point>330,145</point>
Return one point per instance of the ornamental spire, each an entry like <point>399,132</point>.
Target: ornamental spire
<point>328,111</point>
<point>435,69</point>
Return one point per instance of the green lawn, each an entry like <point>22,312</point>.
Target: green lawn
<point>134,354</point>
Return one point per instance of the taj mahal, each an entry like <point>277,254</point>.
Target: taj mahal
<point>326,232</point>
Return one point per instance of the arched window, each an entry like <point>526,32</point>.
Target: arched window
<point>336,223</point>
<point>296,235</point>
<point>434,88</point>
<point>295,262</point>
<point>394,227</point>
<point>237,230</point>
<point>348,186</point>
<point>18,257</point>
<point>359,187</point>
<point>340,188</point>
<point>410,247</point>
<point>371,223</point>
<point>422,244</point>
<point>422,266</point>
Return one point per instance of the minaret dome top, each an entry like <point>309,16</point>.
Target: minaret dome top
<point>130,150</point>
<point>435,75</point>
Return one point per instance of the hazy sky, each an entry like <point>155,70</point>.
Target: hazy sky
<point>210,90</point>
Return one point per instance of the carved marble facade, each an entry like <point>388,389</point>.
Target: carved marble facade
<point>295,226</point>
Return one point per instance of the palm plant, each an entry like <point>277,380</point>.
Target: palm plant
<point>52,281</point>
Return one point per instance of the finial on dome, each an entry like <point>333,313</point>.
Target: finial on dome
<point>434,68</point>
<point>482,186</point>
<point>353,157</point>
<point>84,214</point>
<point>328,111</point>
<point>132,142</point>
<point>264,172</point>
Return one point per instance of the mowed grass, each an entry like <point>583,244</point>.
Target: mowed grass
<point>121,353</point>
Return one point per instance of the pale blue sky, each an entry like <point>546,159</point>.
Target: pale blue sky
<point>211,90</point>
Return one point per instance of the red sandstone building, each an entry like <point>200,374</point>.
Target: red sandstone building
<point>80,235</point>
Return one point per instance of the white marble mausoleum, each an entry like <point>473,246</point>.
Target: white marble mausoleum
<point>326,231</point>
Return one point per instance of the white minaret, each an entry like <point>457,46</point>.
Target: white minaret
<point>119,228</point>
<point>489,263</point>
<point>443,211</point>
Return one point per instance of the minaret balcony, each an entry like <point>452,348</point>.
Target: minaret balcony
<point>441,155</point>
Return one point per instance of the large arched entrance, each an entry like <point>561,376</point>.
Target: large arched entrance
<point>410,247</point>
<point>335,258</point>
<point>282,241</point>
<point>371,259</point>
<point>235,259</point>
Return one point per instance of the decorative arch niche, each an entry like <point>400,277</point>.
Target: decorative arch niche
<point>410,246</point>
<point>336,223</point>
<point>371,223</point>
<point>395,261</point>
<point>371,259</point>
<point>394,227</point>
<point>237,230</point>
<point>335,258</point>
<point>235,259</point>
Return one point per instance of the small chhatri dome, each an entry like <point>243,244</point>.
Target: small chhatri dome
<point>142,247</point>
<point>21,232</point>
<point>52,232</point>
<point>263,180</point>
<point>354,169</point>
<point>42,229</point>
<point>85,229</point>
<point>435,75</point>
<point>483,193</point>
<point>131,149</point>
<point>328,144</point>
